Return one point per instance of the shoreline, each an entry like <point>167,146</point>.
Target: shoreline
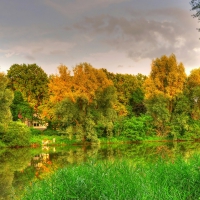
<point>101,142</point>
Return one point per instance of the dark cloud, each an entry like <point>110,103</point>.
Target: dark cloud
<point>103,32</point>
<point>146,35</point>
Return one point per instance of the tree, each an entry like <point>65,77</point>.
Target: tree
<point>167,78</point>
<point>194,79</point>
<point>20,108</point>
<point>137,128</point>
<point>180,122</point>
<point>165,83</point>
<point>31,81</point>
<point>82,103</point>
<point>196,7</point>
<point>157,107</point>
<point>6,97</point>
<point>130,93</point>
<point>193,84</point>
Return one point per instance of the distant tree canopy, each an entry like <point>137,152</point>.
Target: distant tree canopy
<point>91,103</point>
<point>81,104</point>
<point>196,7</point>
<point>130,93</point>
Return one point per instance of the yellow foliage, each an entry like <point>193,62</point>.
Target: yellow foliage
<point>194,78</point>
<point>167,77</point>
<point>85,82</point>
<point>120,109</point>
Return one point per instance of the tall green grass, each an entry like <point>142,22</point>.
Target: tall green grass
<point>161,180</point>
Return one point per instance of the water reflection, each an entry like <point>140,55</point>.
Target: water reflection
<point>12,161</point>
<point>20,167</point>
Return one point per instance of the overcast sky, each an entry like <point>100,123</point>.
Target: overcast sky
<point>122,36</point>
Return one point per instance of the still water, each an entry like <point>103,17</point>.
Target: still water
<point>20,167</point>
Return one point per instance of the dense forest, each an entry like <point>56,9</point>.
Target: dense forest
<point>88,104</point>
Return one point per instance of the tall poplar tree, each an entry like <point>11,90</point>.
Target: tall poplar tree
<point>163,86</point>
<point>193,84</point>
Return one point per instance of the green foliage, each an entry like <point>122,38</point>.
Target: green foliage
<point>137,102</point>
<point>134,128</point>
<point>31,81</point>
<point>50,132</point>
<point>129,92</point>
<point>2,129</point>
<point>118,126</point>
<point>20,109</point>
<point>180,119</point>
<point>137,128</point>
<point>2,145</point>
<point>5,101</point>
<point>17,134</point>
<point>193,131</point>
<point>86,106</point>
<point>157,107</point>
<point>94,103</point>
<point>77,118</point>
<point>162,88</point>
<point>179,127</point>
<point>6,97</point>
<point>35,131</point>
<point>70,132</point>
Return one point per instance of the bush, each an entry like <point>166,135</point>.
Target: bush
<point>35,131</point>
<point>1,130</point>
<point>50,132</point>
<point>17,134</point>
<point>135,128</point>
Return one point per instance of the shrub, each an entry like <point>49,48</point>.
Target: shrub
<point>17,134</point>
<point>135,128</point>
<point>1,130</point>
<point>35,131</point>
<point>50,132</point>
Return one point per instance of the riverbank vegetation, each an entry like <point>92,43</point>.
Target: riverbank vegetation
<point>21,167</point>
<point>93,105</point>
<point>161,179</point>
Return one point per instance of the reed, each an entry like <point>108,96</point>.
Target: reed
<point>178,179</point>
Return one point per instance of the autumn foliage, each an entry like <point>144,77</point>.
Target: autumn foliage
<point>86,81</point>
<point>167,78</point>
<point>88,103</point>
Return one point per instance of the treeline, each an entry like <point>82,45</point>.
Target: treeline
<point>89,103</point>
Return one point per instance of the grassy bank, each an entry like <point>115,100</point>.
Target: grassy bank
<point>161,180</point>
<point>54,140</point>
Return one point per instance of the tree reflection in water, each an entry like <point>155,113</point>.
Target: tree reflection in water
<point>21,167</point>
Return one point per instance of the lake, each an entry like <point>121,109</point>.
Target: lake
<point>20,167</point>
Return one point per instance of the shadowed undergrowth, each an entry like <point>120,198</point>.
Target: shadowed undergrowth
<point>122,179</point>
